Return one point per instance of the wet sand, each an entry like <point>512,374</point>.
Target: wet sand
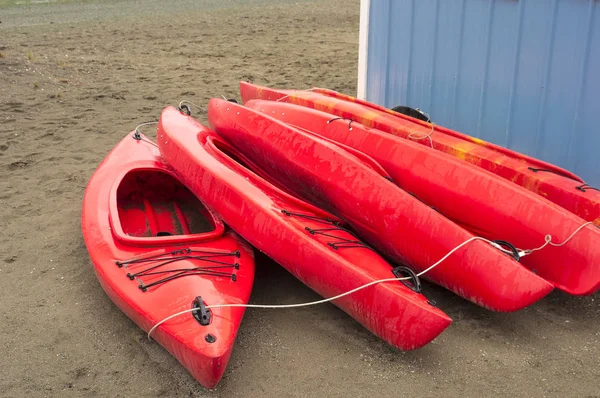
<point>74,79</point>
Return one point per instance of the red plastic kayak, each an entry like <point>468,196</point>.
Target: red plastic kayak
<point>390,219</point>
<point>157,250</point>
<point>470,196</point>
<point>549,181</point>
<point>308,242</point>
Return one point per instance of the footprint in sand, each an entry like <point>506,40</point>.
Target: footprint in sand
<point>12,106</point>
<point>20,164</point>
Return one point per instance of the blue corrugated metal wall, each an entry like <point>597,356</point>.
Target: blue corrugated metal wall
<point>520,73</point>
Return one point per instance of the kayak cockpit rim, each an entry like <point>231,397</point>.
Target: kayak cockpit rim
<point>116,225</point>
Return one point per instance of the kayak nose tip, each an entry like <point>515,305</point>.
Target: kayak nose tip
<point>534,291</point>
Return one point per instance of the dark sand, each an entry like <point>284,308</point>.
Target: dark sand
<point>74,78</point>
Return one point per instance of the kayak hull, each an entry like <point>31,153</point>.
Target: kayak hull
<point>478,200</point>
<point>390,219</point>
<point>305,240</point>
<point>549,181</point>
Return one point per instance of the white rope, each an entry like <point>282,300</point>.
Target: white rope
<point>191,103</point>
<point>279,306</point>
<point>548,239</point>
<point>146,124</point>
<point>419,136</point>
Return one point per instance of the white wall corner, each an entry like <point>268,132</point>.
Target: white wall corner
<point>363,48</point>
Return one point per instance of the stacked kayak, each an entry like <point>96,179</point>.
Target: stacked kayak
<point>157,250</point>
<point>474,198</point>
<point>310,243</point>
<point>555,184</point>
<point>393,221</point>
<point>356,201</point>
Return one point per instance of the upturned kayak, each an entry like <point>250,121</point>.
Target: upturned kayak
<point>549,181</point>
<point>387,217</point>
<point>476,199</point>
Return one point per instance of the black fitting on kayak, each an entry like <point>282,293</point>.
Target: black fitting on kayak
<point>311,217</point>
<point>209,338</point>
<point>156,266</point>
<point>137,135</point>
<point>509,246</point>
<point>232,100</point>
<point>185,110</point>
<point>585,187</point>
<point>202,314</point>
<point>551,171</point>
<point>339,242</point>
<point>412,112</point>
<point>413,284</point>
<point>342,118</point>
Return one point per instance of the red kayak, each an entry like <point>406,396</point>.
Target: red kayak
<point>157,250</point>
<point>308,242</point>
<point>470,196</point>
<point>549,181</point>
<point>387,217</point>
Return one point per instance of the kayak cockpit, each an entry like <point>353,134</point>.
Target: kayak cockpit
<point>151,206</point>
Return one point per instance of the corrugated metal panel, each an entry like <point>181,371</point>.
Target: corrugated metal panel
<point>520,73</point>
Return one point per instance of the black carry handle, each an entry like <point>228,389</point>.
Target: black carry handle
<point>413,284</point>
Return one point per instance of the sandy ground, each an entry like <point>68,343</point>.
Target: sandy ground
<point>74,78</point>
